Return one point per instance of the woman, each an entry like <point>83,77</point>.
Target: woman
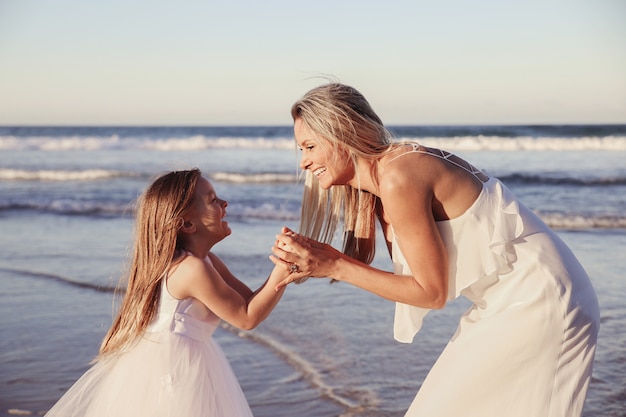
<point>526,345</point>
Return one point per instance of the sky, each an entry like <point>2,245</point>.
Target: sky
<point>235,62</point>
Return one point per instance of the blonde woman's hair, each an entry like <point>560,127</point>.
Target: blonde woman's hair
<point>342,116</point>
<point>159,217</point>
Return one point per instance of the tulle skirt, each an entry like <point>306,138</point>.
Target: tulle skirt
<point>162,375</point>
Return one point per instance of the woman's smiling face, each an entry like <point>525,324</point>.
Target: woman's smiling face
<point>329,165</point>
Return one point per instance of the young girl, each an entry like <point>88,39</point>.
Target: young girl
<point>526,345</point>
<point>158,358</point>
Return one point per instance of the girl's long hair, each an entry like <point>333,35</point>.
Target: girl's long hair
<point>342,116</point>
<point>159,217</point>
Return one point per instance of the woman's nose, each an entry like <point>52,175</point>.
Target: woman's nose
<point>304,162</point>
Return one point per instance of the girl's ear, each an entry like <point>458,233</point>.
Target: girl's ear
<point>188,227</point>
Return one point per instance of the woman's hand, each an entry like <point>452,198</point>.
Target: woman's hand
<point>303,257</point>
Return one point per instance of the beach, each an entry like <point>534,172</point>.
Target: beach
<point>66,208</point>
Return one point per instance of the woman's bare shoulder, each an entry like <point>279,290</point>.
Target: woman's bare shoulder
<point>407,167</point>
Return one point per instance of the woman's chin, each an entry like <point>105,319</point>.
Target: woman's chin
<point>325,185</point>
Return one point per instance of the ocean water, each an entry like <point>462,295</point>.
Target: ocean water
<point>66,203</point>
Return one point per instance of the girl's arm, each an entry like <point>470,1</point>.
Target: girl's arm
<point>230,279</point>
<point>226,296</point>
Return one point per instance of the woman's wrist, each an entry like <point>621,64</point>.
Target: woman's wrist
<point>339,268</point>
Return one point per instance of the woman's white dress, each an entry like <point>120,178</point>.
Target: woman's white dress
<point>175,369</point>
<point>525,347</point>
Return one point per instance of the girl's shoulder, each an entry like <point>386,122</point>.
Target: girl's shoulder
<point>185,274</point>
<point>190,263</point>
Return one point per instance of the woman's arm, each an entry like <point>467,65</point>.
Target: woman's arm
<point>407,198</point>
<point>315,259</point>
<point>407,201</point>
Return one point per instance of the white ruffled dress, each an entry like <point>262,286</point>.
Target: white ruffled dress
<point>175,369</point>
<point>525,347</point>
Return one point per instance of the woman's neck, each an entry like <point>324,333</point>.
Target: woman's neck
<point>366,175</point>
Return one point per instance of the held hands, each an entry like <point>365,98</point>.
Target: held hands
<point>302,257</point>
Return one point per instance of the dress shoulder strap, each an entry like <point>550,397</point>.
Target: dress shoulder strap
<point>446,156</point>
<point>415,146</point>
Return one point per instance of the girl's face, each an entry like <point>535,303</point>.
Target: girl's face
<point>209,212</point>
<point>330,166</point>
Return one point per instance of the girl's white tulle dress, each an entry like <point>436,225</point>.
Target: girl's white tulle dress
<point>525,347</point>
<point>175,369</point>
